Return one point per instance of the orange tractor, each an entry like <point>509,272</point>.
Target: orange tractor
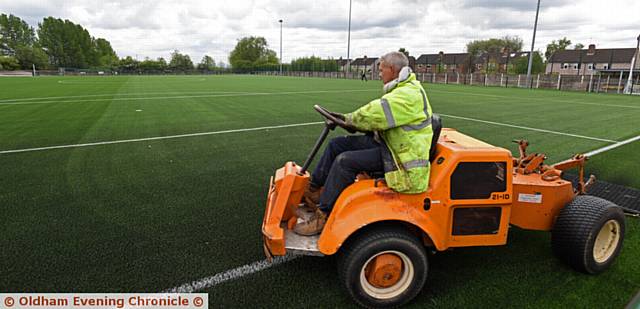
<point>476,191</point>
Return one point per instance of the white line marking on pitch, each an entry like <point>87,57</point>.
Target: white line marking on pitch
<point>534,98</point>
<point>278,127</point>
<point>530,128</point>
<point>189,96</point>
<point>616,145</point>
<point>158,138</point>
<point>229,275</point>
<point>118,95</point>
<point>255,267</point>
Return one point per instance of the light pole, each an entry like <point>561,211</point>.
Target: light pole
<point>349,40</point>
<point>533,42</point>
<point>628,89</point>
<point>280,21</point>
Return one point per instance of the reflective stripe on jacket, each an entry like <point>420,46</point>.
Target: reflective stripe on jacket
<point>403,119</point>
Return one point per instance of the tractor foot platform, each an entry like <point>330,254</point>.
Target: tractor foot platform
<point>301,245</point>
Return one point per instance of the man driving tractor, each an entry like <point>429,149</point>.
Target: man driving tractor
<point>398,142</point>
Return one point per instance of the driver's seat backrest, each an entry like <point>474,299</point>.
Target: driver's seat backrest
<point>436,125</point>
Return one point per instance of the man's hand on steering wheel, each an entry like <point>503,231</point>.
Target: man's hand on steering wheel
<point>338,119</point>
<point>338,115</point>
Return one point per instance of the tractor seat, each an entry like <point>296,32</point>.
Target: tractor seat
<point>436,125</point>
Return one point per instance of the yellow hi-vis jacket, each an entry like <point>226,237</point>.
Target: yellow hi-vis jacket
<point>402,118</point>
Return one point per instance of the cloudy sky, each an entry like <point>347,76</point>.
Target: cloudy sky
<point>155,28</point>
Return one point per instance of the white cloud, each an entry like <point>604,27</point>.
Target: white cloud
<point>155,28</point>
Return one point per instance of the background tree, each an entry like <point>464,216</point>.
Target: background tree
<point>14,33</point>
<point>522,63</point>
<point>28,56</point>
<point>104,52</point>
<point>153,66</point>
<point>70,45</point>
<point>180,62</point>
<point>207,64</point>
<point>578,46</point>
<point>404,51</point>
<point>554,46</point>
<point>250,52</point>
<point>128,65</point>
<point>491,49</point>
<point>9,63</point>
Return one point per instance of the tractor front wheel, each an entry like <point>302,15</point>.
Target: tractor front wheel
<point>384,267</point>
<point>588,234</point>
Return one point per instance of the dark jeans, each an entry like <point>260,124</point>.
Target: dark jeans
<point>342,160</point>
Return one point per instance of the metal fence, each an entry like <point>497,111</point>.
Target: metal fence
<point>600,83</point>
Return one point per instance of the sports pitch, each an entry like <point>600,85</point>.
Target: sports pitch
<point>142,184</point>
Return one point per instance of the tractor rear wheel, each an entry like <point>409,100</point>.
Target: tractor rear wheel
<point>384,267</point>
<point>588,234</point>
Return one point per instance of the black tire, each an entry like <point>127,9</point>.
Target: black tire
<point>357,252</point>
<point>577,227</point>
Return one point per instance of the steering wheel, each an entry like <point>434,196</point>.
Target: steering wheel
<point>333,121</point>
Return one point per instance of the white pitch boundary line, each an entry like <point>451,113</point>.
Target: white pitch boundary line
<point>616,145</point>
<point>530,128</point>
<point>190,96</point>
<point>538,99</point>
<point>158,138</point>
<point>230,275</point>
<point>117,95</point>
<point>255,267</point>
<point>278,127</point>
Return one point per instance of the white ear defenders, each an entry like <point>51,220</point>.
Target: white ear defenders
<point>402,76</point>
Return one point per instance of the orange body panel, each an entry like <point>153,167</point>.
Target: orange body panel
<point>285,193</point>
<point>362,204</point>
<point>537,202</point>
<point>433,212</point>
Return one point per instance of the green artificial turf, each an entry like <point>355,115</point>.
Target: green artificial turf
<point>151,215</point>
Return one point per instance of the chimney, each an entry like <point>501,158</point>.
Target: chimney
<point>592,49</point>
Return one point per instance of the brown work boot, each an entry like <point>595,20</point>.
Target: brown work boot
<point>312,196</point>
<point>313,225</point>
<point>305,211</point>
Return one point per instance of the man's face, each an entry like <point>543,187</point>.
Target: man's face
<point>387,73</point>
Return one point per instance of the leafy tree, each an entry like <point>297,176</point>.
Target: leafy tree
<point>70,45</point>
<point>495,46</point>
<point>522,64</point>
<point>128,64</point>
<point>404,51</point>
<point>492,49</point>
<point>207,64</point>
<point>180,62</point>
<point>14,33</point>
<point>578,46</point>
<point>105,53</point>
<point>67,44</point>
<point>29,56</point>
<point>251,52</point>
<point>153,66</point>
<point>9,63</point>
<point>554,46</point>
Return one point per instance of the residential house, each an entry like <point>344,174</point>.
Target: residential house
<point>590,61</point>
<point>441,62</point>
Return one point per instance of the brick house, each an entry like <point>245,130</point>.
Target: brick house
<point>342,64</point>
<point>429,63</point>
<point>590,61</point>
<point>365,64</point>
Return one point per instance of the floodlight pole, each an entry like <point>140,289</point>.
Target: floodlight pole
<point>628,89</point>
<point>533,42</point>
<point>349,41</point>
<point>280,21</point>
